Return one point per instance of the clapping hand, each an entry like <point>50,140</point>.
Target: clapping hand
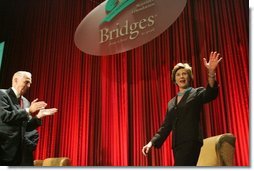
<point>36,106</point>
<point>46,112</point>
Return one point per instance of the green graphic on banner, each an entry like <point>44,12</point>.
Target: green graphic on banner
<point>1,53</point>
<point>114,7</point>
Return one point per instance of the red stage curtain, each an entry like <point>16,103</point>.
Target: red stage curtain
<point>110,106</point>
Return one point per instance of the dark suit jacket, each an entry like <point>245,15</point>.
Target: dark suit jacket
<point>183,119</point>
<point>14,123</point>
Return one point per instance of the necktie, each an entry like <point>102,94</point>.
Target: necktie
<point>21,103</point>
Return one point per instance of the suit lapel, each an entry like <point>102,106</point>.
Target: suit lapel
<point>171,104</point>
<point>13,98</point>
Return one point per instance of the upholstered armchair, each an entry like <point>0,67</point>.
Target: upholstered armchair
<point>60,161</point>
<point>218,151</point>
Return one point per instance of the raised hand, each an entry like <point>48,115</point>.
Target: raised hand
<point>214,60</point>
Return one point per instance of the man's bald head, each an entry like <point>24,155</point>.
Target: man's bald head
<point>22,81</point>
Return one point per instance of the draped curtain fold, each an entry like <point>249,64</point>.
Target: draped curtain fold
<point>110,106</point>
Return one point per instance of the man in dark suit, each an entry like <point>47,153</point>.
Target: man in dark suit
<point>18,134</point>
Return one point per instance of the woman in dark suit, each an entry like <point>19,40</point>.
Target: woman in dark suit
<point>183,113</point>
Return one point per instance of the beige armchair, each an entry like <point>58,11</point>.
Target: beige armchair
<point>60,161</point>
<point>218,151</point>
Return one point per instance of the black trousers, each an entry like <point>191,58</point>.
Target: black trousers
<point>187,154</point>
<point>10,163</point>
<point>7,162</point>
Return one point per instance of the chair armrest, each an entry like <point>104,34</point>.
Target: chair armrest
<point>38,162</point>
<point>60,161</point>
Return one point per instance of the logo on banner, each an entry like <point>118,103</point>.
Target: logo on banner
<point>117,26</point>
<point>114,7</point>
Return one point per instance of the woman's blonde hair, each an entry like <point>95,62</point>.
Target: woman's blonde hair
<point>180,66</point>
